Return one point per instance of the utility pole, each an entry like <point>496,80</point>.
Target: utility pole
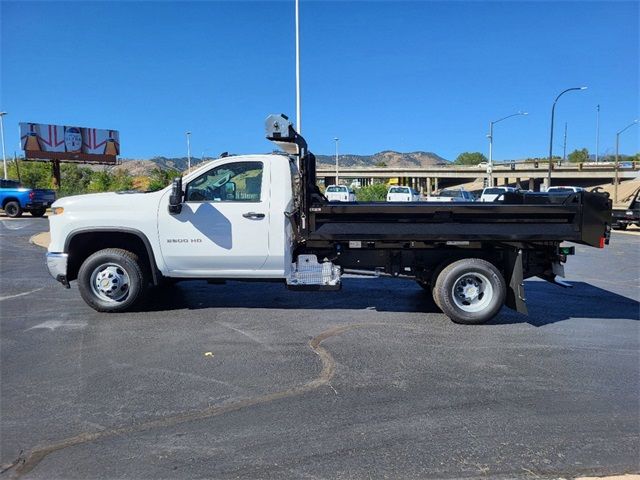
<point>4,158</point>
<point>188,151</point>
<point>597,133</point>
<point>564,146</point>
<point>336,140</point>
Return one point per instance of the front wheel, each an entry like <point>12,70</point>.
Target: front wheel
<point>112,280</point>
<point>470,291</point>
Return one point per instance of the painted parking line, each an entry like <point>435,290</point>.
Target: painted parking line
<point>9,297</point>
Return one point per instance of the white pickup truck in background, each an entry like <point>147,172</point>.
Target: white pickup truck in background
<point>339,193</point>
<point>402,194</point>
<point>452,195</point>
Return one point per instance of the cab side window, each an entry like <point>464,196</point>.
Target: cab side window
<point>232,182</point>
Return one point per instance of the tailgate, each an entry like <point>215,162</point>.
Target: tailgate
<point>43,196</point>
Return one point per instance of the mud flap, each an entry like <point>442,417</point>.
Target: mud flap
<point>515,291</point>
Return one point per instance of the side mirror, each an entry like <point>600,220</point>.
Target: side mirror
<point>175,199</point>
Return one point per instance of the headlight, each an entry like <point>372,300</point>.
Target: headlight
<point>629,212</point>
<point>58,210</point>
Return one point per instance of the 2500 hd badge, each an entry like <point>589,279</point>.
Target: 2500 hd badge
<point>184,240</point>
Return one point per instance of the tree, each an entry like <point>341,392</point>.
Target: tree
<point>75,179</point>
<point>160,178</point>
<point>372,193</point>
<point>470,158</point>
<point>578,156</point>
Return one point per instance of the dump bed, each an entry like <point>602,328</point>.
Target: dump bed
<point>581,217</point>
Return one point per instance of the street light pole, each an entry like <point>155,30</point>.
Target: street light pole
<point>298,114</point>
<point>564,144</point>
<point>553,112</point>
<point>4,158</point>
<point>490,137</point>
<point>188,151</point>
<point>617,180</point>
<point>336,140</point>
<point>597,133</point>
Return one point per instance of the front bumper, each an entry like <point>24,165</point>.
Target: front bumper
<point>57,265</point>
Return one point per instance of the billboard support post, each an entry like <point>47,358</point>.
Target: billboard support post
<point>55,170</point>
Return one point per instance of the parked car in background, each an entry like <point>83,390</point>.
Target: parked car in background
<point>339,193</point>
<point>402,194</point>
<point>452,195</point>
<point>564,189</point>
<point>491,194</point>
<point>16,199</point>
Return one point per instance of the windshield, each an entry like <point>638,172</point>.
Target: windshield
<point>493,191</point>
<point>399,190</point>
<point>334,189</point>
<point>560,189</point>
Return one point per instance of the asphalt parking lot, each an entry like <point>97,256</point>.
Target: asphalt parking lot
<point>249,380</point>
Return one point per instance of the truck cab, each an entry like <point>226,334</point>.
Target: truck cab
<point>232,223</point>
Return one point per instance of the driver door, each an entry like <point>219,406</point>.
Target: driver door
<point>223,228</point>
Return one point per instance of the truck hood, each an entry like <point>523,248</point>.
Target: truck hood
<point>106,201</point>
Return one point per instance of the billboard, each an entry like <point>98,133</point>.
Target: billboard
<point>68,143</point>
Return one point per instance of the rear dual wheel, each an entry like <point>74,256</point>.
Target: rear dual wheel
<point>470,291</point>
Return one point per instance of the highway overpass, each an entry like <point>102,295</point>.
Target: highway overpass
<point>528,175</point>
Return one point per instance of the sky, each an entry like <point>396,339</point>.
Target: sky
<point>382,75</point>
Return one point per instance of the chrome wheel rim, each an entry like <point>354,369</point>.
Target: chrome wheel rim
<point>472,292</point>
<point>110,282</point>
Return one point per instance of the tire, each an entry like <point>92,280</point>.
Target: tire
<point>468,277</point>
<point>13,209</point>
<point>112,280</point>
<point>38,212</point>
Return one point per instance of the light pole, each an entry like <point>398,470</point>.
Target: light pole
<point>615,186</point>
<point>4,158</point>
<point>553,112</point>
<point>298,119</point>
<point>564,144</point>
<point>336,139</point>
<point>188,151</point>
<point>597,132</point>
<point>490,137</point>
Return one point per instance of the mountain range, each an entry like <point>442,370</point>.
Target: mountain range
<point>387,158</point>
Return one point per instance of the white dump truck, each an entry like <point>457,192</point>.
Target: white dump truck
<point>255,217</point>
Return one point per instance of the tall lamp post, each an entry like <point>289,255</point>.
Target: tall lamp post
<point>298,114</point>
<point>4,158</point>
<point>490,137</point>
<point>597,133</point>
<point>188,151</point>
<point>336,139</point>
<point>615,187</point>
<point>553,112</point>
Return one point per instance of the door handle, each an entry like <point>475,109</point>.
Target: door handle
<point>253,215</point>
